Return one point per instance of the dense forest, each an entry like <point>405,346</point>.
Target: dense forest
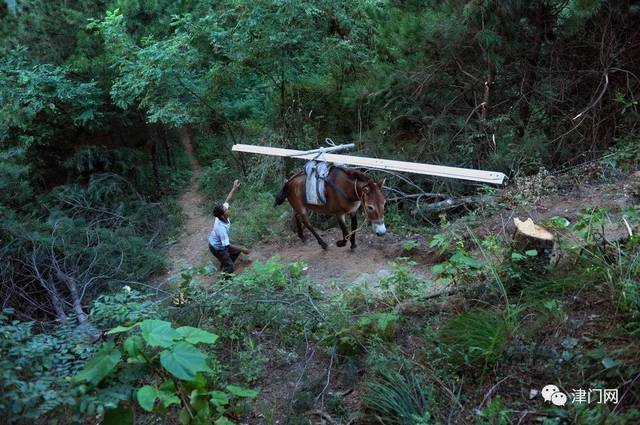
<point>117,119</point>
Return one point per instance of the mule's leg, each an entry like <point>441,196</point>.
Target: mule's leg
<point>299,227</point>
<point>345,232</point>
<point>354,226</point>
<point>307,224</point>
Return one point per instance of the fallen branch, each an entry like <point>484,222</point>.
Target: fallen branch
<point>451,203</point>
<point>594,103</point>
<point>418,306</point>
<point>324,415</point>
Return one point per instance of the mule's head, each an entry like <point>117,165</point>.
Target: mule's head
<point>373,204</point>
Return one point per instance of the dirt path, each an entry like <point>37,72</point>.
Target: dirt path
<point>369,263</point>
<point>191,248</point>
<point>335,267</point>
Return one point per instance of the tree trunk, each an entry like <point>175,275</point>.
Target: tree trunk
<point>76,302</point>
<point>56,300</point>
<point>528,235</point>
<point>488,85</point>
<point>529,77</point>
<point>167,150</point>
<point>155,160</point>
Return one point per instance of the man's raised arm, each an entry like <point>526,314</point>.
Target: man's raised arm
<point>236,183</point>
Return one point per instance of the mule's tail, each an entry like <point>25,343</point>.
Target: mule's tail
<point>282,196</point>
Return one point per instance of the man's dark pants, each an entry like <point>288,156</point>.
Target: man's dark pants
<point>226,256</point>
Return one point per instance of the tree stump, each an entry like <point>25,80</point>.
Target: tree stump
<point>528,236</point>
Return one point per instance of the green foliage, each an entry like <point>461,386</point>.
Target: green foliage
<point>125,306</point>
<point>35,365</point>
<point>88,120</point>
<point>399,398</point>
<point>382,324</point>
<point>441,242</point>
<point>402,282</point>
<point>100,233</point>
<point>556,222</point>
<point>590,225</point>
<point>410,245</point>
<point>160,351</point>
<point>267,297</point>
<point>36,94</point>
<point>461,265</point>
<point>478,337</point>
<point>160,77</point>
<point>494,413</point>
<point>15,188</point>
<point>101,365</point>
<point>214,180</point>
<point>252,363</point>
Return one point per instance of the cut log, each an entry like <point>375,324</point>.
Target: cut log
<point>452,203</point>
<point>529,235</point>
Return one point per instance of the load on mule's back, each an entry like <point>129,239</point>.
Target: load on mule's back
<point>345,190</point>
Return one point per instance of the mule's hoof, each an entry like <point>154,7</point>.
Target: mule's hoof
<point>354,246</point>
<point>341,243</point>
<point>323,245</point>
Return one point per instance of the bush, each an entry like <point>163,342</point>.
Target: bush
<point>34,366</point>
<point>168,362</point>
<point>124,307</point>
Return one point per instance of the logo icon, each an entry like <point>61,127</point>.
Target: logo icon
<point>551,393</point>
<point>559,399</point>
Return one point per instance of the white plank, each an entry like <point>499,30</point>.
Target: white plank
<point>493,177</point>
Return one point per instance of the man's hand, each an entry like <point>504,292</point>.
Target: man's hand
<point>241,249</point>
<point>236,184</point>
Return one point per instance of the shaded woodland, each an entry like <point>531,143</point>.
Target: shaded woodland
<point>98,98</point>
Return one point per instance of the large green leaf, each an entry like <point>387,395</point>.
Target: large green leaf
<point>223,421</point>
<point>184,361</point>
<point>194,335</point>
<point>120,329</point>
<point>241,391</point>
<point>203,416</point>
<point>158,333</point>
<point>147,396</point>
<point>460,258</point>
<point>167,398</point>
<point>105,361</point>
<point>219,399</point>
<point>133,347</point>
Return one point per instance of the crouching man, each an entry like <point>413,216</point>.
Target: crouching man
<point>220,245</point>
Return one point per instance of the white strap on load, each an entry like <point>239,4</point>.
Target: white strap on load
<point>315,174</point>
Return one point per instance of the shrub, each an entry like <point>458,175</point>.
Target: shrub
<point>170,363</point>
<point>34,366</point>
<point>125,306</point>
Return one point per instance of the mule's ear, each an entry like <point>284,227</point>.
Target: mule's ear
<point>381,184</point>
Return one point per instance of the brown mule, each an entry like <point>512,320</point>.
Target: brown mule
<point>346,190</point>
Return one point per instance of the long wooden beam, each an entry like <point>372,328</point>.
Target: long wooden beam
<point>493,177</point>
